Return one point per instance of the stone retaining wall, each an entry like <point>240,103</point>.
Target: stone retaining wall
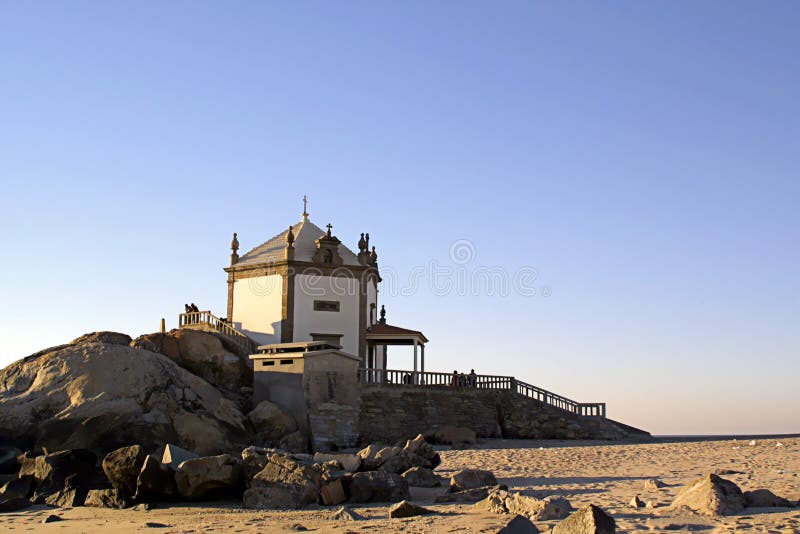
<point>393,412</point>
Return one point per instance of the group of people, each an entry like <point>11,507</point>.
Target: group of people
<point>462,380</point>
<point>191,308</point>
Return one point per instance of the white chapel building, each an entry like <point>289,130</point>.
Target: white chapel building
<point>305,285</point>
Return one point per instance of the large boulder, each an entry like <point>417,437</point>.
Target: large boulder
<point>19,488</point>
<point>284,483</point>
<point>67,497</point>
<point>471,478</point>
<point>55,471</point>
<point>156,481</point>
<point>111,338</point>
<point>122,467</point>
<point>711,495</point>
<point>422,477</point>
<point>198,477</point>
<point>13,504</point>
<point>349,462</point>
<point>407,509</point>
<point>8,460</point>
<point>102,396</point>
<point>107,498</point>
<point>270,423</point>
<point>470,495</point>
<point>378,486</point>
<point>588,520</point>
<point>173,456</point>
<point>421,453</point>
<point>254,459</point>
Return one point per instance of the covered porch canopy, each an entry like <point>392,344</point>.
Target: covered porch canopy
<point>381,335</point>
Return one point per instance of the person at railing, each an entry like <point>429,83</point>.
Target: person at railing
<point>407,378</point>
<point>455,380</point>
<point>472,379</point>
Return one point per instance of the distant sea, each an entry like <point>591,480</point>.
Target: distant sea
<point>740,437</point>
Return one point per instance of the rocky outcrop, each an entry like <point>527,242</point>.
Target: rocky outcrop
<point>270,423</point>
<point>407,509</point>
<point>203,354</point>
<point>102,396</point>
<point>588,520</point>
<point>519,525</point>
<point>110,338</point>
<point>422,477</point>
<point>8,460</point>
<point>107,498</point>
<point>156,481</point>
<point>53,472</point>
<point>711,495</point>
<point>547,509</point>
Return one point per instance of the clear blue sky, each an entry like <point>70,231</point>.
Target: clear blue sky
<point>643,157</point>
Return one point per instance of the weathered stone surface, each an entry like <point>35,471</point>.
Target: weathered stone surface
<point>333,426</point>
<point>588,520</point>
<point>369,457</point>
<point>296,442</point>
<point>122,467</point>
<point>504,502</point>
<point>284,483</point>
<point>197,477</point>
<point>67,497</point>
<point>107,498</point>
<point>378,486</point>
<point>519,525</point>
<point>173,456</point>
<point>407,509</point>
<point>110,338</point>
<point>13,504</point>
<point>19,488</point>
<point>155,481</point>
<point>349,462</point>
<point>345,515</point>
<point>470,495</point>
<point>332,493</point>
<point>51,471</point>
<point>422,477</point>
<point>254,459</point>
<point>27,462</point>
<point>764,498</point>
<point>421,453</point>
<point>454,435</point>
<point>103,396</point>
<point>711,495</point>
<point>270,423</point>
<point>8,460</point>
<point>471,478</point>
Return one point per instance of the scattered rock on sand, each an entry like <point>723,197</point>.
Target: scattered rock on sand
<point>636,502</point>
<point>122,467</point>
<point>52,518</point>
<point>407,509</point>
<point>764,498</point>
<point>422,454</point>
<point>284,483</point>
<point>590,519</point>
<point>197,477</point>
<point>711,495</point>
<point>471,478</point>
<point>504,502</point>
<point>519,525</point>
<point>369,460</point>
<point>470,495</point>
<point>422,477</point>
<point>378,486</point>
<point>345,515</point>
<point>654,484</point>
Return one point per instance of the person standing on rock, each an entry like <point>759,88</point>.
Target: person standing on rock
<point>454,381</point>
<point>473,379</point>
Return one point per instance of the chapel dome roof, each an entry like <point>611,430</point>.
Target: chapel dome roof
<point>305,235</point>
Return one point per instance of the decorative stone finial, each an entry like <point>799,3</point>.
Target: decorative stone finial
<point>362,244</point>
<point>329,226</point>
<point>234,249</point>
<point>383,314</point>
<point>366,243</point>
<point>305,208</point>
<point>290,238</point>
<point>373,256</point>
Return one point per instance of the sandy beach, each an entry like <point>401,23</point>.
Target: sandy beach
<point>605,474</point>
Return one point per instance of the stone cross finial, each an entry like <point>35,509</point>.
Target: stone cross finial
<point>329,226</point>
<point>305,206</point>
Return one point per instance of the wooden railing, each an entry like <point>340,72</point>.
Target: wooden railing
<point>206,318</point>
<point>422,379</point>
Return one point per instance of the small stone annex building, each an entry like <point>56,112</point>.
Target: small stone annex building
<point>306,307</point>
